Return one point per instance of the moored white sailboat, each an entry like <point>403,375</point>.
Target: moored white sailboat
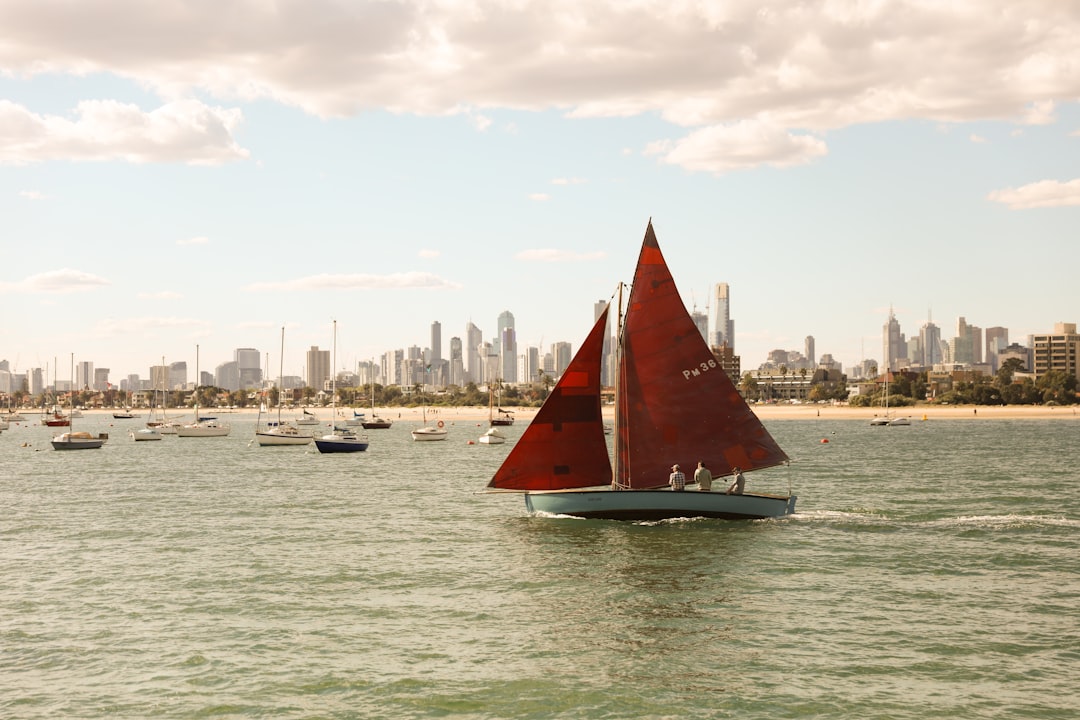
<point>202,427</point>
<point>674,403</point>
<point>280,433</point>
<point>341,439</point>
<point>73,440</point>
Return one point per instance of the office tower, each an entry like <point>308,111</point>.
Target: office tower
<point>227,376</point>
<point>997,339</point>
<point>561,351</point>
<point>84,375</point>
<point>1059,350</point>
<point>607,360</point>
<point>317,363</point>
<point>528,369</point>
<point>436,344</point>
<point>893,346</point>
<point>723,325</point>
<point>967,345</point>
<point>249,368</point>
<point>101,379</point>
<point>506,344</point>
<point>930,344</point>
<point>471,349</point>
<point>808,351</point>
<point>35,381</point>
<point>457,362</point>
<point>178,375</point>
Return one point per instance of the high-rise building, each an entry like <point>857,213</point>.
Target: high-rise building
<point>967,345</point>
<point>808,351</point>
<point>178,375</point>
<point>529,365</point>
<point>436,344</point>
<point>561,351</point>
<point>101,379</point>
<point>35,381</point>
<point>248,368</point>
<point>473,364</point>
<point>318,367</point>
<point>457,362</point>
<point>507,347</point>
<point>1059,350</point>
<point>227,376</point>
<point>997,339</point>
<point>607,360</point>
<point>893,346</point>
<point>84,375</point>
<point>723,325</point>
<point>930,344</point>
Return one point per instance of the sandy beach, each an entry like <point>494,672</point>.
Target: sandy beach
<point>479,415</point>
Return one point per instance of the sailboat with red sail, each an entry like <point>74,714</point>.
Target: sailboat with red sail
<point>674,404</point>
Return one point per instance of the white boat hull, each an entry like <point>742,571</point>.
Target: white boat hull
<point>428,434</point>
<point>274,437</point>
<point>144,434</point>
<point>79,441</point>
<point>658,504</point>
<point>203,430</point>
<point>492,437</point>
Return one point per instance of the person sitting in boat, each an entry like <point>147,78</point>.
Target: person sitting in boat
<point>703,477</point>
<point>738,482</point>
<point>677,480</point>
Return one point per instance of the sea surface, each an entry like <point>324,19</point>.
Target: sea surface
<point>931,571</point>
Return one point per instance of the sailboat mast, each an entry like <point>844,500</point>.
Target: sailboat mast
<point>615,485</point>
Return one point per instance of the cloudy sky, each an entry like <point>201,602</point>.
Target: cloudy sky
<point>180,173</point>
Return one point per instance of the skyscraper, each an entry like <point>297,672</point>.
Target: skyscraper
<point>808,351</point>
<point>248,368</point>
<point>930,342</point>
<point>506,343</point>
<point>318,367</point>
<point>723,326</point>
<point>84,375</point>
<point>967,343</point>
<point>436,343</point>
<point>893,346</point>
<point>997,339</point>
<point>473,364</point>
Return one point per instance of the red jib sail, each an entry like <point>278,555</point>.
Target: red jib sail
<point>564,446</point>
<point>675,402</point>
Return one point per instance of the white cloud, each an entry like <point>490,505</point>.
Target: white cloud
<point>183,131</point>
<point>977,139</point>
<point>723,148</point>
<point>568,181</point>
<point>358,281</point>
<point>1044,194</point>
<point>552,255</point>
<point>54,282</point>
<point>200,240</point>
<point>802,67</point>
<point>31,195</point>
<point>539,197</point>
<point>429,254</point>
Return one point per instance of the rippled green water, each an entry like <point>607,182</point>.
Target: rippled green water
<point>931,572</point>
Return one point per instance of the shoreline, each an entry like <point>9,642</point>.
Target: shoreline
<point>764,412</point>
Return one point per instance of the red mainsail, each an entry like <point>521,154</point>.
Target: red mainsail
<point>564,446</point>
<point>675,402</point>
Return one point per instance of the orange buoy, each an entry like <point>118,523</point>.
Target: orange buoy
<point>824,440</point>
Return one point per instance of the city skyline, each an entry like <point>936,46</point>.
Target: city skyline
<point>894,334</point>
<point>220,178</point>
